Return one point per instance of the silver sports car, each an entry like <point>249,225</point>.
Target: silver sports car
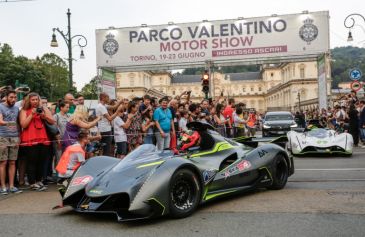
<point>320,141</point>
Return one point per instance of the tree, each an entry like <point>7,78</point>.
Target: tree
<point>90,90</point>
<point>343,60</point>
<point>55,72</point>
<point>46,75</point>
<point>21,69</point>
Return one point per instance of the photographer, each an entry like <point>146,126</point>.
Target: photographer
<point>34,138</point>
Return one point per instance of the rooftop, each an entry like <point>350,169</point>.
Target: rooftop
<point>242,76</point>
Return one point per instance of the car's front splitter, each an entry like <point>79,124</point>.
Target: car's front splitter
<point>323,154</point>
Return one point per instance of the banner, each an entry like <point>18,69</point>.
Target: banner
<point>249,40</point>
<point>108,83</point>
<point>322,84</point>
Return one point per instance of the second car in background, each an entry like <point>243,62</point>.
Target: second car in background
<point>278,123</point>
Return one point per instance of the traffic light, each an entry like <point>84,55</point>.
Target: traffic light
<point>205,82</point>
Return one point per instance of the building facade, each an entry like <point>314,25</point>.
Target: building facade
<point>276,87</point>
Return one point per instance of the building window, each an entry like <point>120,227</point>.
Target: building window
<point>302,73</point>
<point>272,74</point>
<point>173,92</point>
<point>243,89</point>
<point>260,89</point>
<point>251,88</point>
<point>132,81</point>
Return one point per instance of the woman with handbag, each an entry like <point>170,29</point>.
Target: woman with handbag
<point>34,138</point>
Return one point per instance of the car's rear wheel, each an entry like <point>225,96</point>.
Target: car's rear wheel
<point>184,193</point>
<point>280,172</point>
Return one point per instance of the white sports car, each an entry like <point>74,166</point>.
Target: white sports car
<point>320,141</point>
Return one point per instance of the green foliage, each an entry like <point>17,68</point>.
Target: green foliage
<point>55,71</point>
<point>90,90</point>
<point>46,75</point>
<point>343,60</point>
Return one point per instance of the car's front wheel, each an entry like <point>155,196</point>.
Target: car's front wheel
<point>184,193</point>
<point>280,173</point>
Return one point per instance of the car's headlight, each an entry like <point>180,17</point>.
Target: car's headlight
<point>294,125</point>
<point>266,126</point>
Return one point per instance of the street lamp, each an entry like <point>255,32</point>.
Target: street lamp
<point>350,22</point>
<point>81,42</point>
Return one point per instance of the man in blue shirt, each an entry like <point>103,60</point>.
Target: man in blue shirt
<point>9,141</point>
<point>164,124</point>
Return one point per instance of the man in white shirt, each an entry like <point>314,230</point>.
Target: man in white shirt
<point>104,125</point>
<point>120,136</point>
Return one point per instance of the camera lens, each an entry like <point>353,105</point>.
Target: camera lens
<point>39,110</point>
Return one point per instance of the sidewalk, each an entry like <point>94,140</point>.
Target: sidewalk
<point>31,201</point>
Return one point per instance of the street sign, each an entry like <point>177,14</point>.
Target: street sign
<point>355,74</point>
<point>355,85</point>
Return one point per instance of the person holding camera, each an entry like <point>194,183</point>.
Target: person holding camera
<point>34,138</point>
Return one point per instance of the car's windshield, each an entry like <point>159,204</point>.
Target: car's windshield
<point>142,153</point>
<point>318,132</point>
<point>278,117</point>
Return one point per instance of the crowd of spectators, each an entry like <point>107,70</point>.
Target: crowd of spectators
<point>117,127</point>
<point>347,115</point>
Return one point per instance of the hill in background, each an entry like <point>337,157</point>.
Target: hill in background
<point>343,59</point>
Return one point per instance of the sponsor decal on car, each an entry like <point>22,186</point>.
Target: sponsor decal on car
<point>243,165</point>
<point>82,180</point>
<point>262,153</point>
<point>240,166</point>
<point>208,175</point>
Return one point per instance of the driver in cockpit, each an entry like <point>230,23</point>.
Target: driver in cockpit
<point>188,139</point>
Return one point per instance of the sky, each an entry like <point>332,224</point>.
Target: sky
<point>27,25</point>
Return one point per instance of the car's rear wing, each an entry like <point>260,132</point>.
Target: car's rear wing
<point>255,141</point>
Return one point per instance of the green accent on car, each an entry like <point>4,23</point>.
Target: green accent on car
<point>163,210</point>
<point>96,191</point>
<point>243,138</point>
<point>267,172</point>
<point>280,139</point>
<point>205,192</point>
<point>150,164</point>
<point>220,146</point>
<point>214,195</point>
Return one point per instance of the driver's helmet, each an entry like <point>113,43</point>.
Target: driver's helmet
<point>312,126</point>
<point>185,136</point>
